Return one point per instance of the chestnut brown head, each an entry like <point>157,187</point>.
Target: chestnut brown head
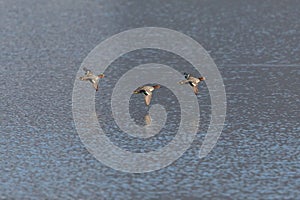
<point>101,75</point>
<point>156,86</point>
<point>202,78</point>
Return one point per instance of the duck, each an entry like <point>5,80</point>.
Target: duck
<point>147,91</point>
<point>193,81</point>
<point>89,76</point>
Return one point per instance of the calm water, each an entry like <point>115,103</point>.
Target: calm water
<point>256,48</point>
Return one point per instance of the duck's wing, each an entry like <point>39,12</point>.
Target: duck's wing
<point>195,89</point>
<point>87,71</point>
<point>183,82</point>
<point>84,78</point>
<point>148,98</point>
<point>87,77</point>
<point>138,90</point>
<point>95,85</point>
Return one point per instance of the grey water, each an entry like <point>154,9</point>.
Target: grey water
<point>255,45</point>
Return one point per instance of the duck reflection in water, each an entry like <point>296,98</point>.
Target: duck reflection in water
<point>147,119</point>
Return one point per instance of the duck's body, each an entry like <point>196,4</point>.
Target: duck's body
<point>192,81</point>
<point>89,76</point>
<point>147,91</point>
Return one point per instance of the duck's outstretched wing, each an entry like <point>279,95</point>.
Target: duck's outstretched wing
<point>195,89</point>
<point>148,99</point>
<point>95,85</point>
<point>183,82</point>
<point>84,78</point>
<point>87,71</point>
<point>138,90</point>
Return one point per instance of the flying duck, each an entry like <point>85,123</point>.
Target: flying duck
<point>192,81</point>
<point>89,76</point>
<point>147,91</point>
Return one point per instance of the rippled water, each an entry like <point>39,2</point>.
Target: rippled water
<point>255,46</point>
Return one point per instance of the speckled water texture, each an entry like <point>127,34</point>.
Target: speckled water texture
<point>256,47</point>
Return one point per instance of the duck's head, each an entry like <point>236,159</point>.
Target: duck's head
<point>186,75</point>
<point>156,86</point>
<point>101,75</point>
<point>202,78</point>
